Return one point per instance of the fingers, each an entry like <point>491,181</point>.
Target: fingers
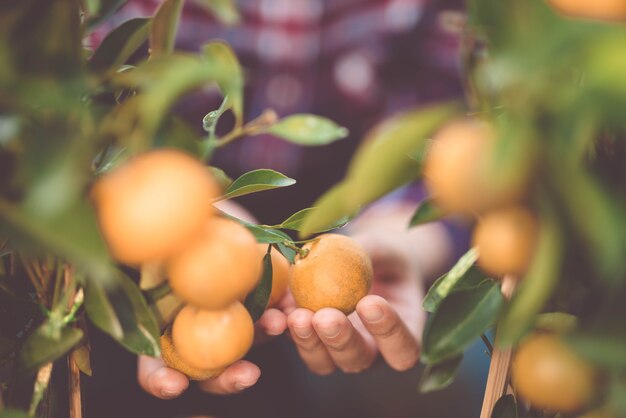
<point>310,347</point>
<point>346,346</point>
<point>273,322</point>
<point>158,380</point>
<point>237,377</point>
<point>399,348</point>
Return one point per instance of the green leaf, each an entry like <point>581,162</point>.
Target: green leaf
<point>117,307</point>
<point>45,345</point>
<point>221,54</point>
<point>536,287</point>
<point>13,413</point>
<point>505,407</point>
<point>460,319</point>
<point>383,162</point>
<point>295,221</point>
<point>224,10</point>
<point>256,302</point>
<point>288,253</point>
<point>82,357</point>
<point>164,25</point>
<point>176,133</point>
<point>106,10</point>
<point>307,129</point>
<point>330,209</point>
<point>439,376</point>
<point>120,44</point>
<point>256,181</point>
<point>426,212</point>
<point>601,348</point>
<point>221,177</point>
<point>556,322</point>
<point>443,286</point>
<point>262,234</point>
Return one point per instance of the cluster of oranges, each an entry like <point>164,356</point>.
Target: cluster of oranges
<point>157,207</point>
<point>545,371</point>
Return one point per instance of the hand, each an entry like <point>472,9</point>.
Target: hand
<point>388,322</point>
<point>166,383</point>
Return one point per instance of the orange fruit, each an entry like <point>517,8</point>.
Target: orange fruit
<point>336,273</point>
<point>221,266</point>
<point>506,240</point>
<point>281,270</point>
<point>153,204</point>
<point>550,376</point>
<point>593,9</point>
<point>212,340</point>
<point>172,359</point>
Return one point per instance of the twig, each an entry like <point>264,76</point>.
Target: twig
<point>487,344</point>
<point>497,380</point>
<point>41,385</point>
<point>76,410</point>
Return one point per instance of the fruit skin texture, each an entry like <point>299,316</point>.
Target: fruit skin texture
<point>506,240</point>
<point>336,273</point>
<point>593,9</point>
<point>212,340</point>
<point>221,266</point>
<point>153,204</point>
<point>550,376</point>
<point>172,359</point>
<point>281,272</point>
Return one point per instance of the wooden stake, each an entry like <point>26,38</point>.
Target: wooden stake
<point>497,380</point>
<point>76,410</point>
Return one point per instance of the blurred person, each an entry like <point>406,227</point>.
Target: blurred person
<point>356,62</point>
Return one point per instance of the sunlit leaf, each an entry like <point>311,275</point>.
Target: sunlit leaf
<point>459,320</point>
<point>307,129</point>
<point>426,212</point>
<point>439,376</point>
<point>294,222</point>
<point>164,25</point>
<point>462,270</point>
<point>329,209</point>
<point>257,300</point>
<point>536,287</point>
<point>44,346</point>
<point>505,407</point>
<point>120,44</point>
<point>256,181</point>
<point>224,10</point>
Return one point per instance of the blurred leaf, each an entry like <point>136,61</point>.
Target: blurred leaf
<point>82,357</point>
<point>43,346</point>
<point>426,212</point>
<point>120,44</point>
<point>117,307</point>
<point>165,310</point>
<point>439,376</point>
<point>12,413</point>
<point>536,287</point>
<point>256,181</point>
<point>329,209</point>
<point>505,407</point>
<point>558,322</point>
<point>73,234</point>
<point>164,25</point>
<point>257,300</point>
<point>383,162</point>
<point>106,10</point>
<point>306,129</point>
<point>176,133</point>
<point>294,222</point>
<point>617,395</point>
<point>459,320</point>
<point>221,54</point>
<point>221,177</point>
<point>444,285</point>
<point>152,274</point>
<point>600,347</point>
<point>224,10</point>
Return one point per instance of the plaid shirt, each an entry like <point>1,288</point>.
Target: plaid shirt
<point>354,61</point>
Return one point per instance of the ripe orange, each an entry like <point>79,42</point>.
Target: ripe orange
<point>596,9</point>
<point>212,340</point>
<point>172,359</point>
<point>506,240</point>
<point>153,204</point>
<point>221,266</point>
<point>336,273</point>
<point>281,270</point>
<point>550,376</point>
